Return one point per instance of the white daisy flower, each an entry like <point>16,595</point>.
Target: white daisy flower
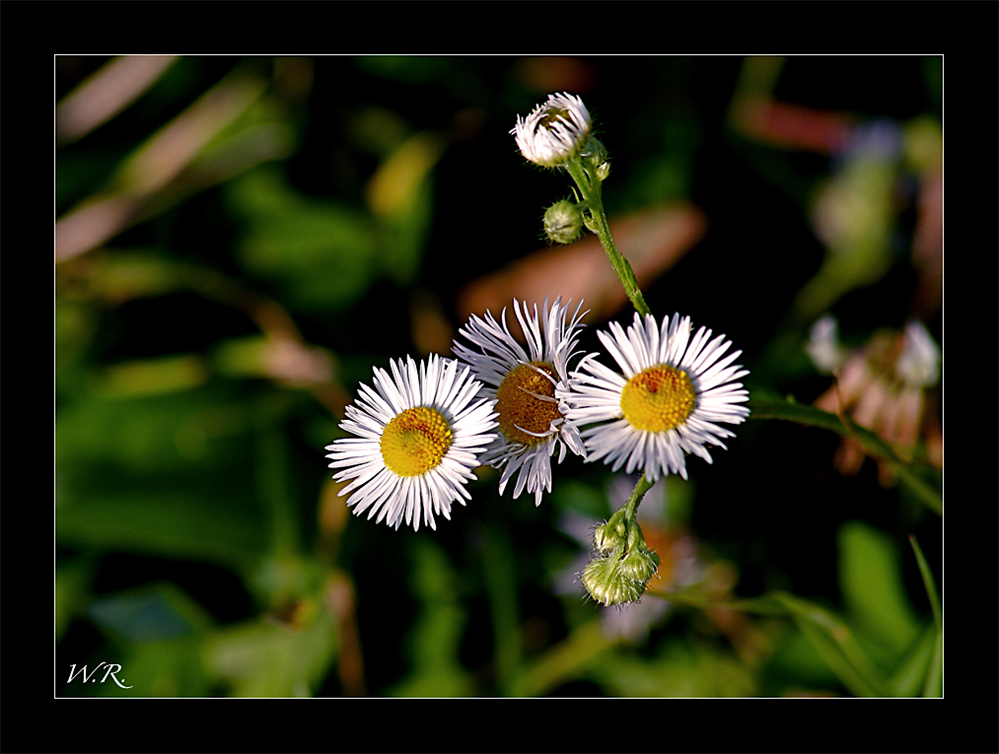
<point>419,433</point>
<point>673,392</point>
<point>555,131</point>
<point>523,384</point>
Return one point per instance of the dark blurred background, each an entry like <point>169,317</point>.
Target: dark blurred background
<point>239,241</point>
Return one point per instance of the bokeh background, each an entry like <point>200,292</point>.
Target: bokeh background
<point>239,241</point>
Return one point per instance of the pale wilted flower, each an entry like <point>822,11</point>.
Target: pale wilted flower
<point>882,387</point>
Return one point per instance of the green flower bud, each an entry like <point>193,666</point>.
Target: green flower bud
<point>609,535</point>
<point>624,564</point>
<point>595,152</point>
<point>640,564</point>
<point>563,222</point>
<point>605,582</point>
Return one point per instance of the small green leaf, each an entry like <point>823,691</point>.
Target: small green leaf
<point>833,639</point>
<point>870,574</point>
<point>929,582</point>
<point>265,659</point>
<point>911,674</point>
<point>156,612</point>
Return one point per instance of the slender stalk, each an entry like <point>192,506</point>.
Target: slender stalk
<point>590,188</point>
<point>643,486</point>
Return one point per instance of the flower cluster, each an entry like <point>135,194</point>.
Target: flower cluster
<point>420,432</point>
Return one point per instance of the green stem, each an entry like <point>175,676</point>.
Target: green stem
<point>643,486</point>
<point>590,188</point>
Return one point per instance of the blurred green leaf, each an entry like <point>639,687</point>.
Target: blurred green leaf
<point>569,659</point>
<point>925,485</point>
<point>167,668</point>
<point>915,668</point>
<point>829,634</point>
<point>163,524</point>
<point>855,215</point>
<point>933,683</point>
<point>164,374</point>
<point>836,643</point>
<point>870,575</point>
<point>270,659</point>
<point>435,639</point>
<point>929,582</point>
<point>72,591</point>
<point>155,612</point>
<point>683,668</point>
<point>162,474</point>
<point>582,498</point>
<point>501,588</point>
<point>933,687</point>
<point>400,194</point>
<point>320,253</point>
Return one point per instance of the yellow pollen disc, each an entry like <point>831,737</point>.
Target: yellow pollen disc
<point>415,441</point>
<point>658,398</point>
<point>517,407</point>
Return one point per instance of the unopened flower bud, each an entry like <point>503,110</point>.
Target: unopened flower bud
<point>554,132</point>
<point>606,584</point>
<point>624,564</point>
<point>595,152</point>
<point>640,564</point>
<point>563,222</point>
<point>609,535</point>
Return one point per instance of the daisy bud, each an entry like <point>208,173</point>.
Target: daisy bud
<point>624,565</point>
<point>607,584</point>
<point>609,535</point>
<point>554,132</point>
<point>640,564</point>
<point>563,222</point>
<point>595,152</point>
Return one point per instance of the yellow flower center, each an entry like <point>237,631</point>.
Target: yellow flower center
<point>521,404</point>
<point>415,441</point>
<point>658,398</point>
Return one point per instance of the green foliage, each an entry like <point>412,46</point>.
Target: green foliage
<point>316,252</point>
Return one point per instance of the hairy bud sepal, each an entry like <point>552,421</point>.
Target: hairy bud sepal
<point>624,564</point>
<point>563,222</point>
